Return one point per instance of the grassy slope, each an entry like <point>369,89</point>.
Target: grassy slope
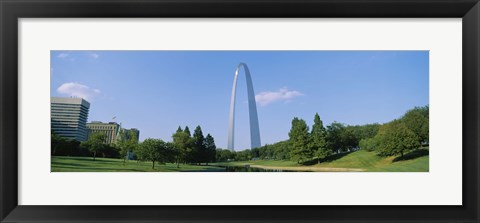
<point>86,164</point>
<point>420,164</point>
<point>358,159</point>
<point>371,162</point>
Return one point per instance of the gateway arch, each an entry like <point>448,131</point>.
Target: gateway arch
<point>252,110</point>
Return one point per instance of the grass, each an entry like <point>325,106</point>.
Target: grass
<point>420,164</point>
<point>417,161</point>
<point>368,161</point>
<point>86,164</point>
<point>358,159</point>
<point>371,162</point>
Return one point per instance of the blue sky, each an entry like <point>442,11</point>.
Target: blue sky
<point>156,91</point>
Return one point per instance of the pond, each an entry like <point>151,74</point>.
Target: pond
<point>247,168</point>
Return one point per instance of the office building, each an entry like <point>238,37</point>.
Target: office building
<point>69,117</point>
<point>110,130</point>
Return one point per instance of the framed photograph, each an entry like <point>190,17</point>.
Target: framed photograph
<point>227,111</point>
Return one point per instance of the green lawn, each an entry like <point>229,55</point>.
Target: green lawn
<point>86,164</point>
<point>361,159</point>
<point>357,159</point>
<point>367,161</point>
<point>371,162</point>
<point>420,164</point>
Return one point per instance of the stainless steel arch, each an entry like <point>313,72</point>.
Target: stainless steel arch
<point>252,110</point>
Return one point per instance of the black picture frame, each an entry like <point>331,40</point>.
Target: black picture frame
<point>12,10</point>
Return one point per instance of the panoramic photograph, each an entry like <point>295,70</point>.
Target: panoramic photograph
<point>239,111</point>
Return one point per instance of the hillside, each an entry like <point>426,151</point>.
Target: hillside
<point>371,162</point>
<point>349,162</point>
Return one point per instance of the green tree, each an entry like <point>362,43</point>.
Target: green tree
<point>349,139</point>
<point>417,120</point>
<point>66,147</point>
<point>243,155</point>
<point>395,138</point>
<point>255,152</point>
<point>318,141</point>
<point>56,143</point>
<point>281,150</point>
<point>171,152</point>
<point>365,131</point>
<point>187,130</point>
<point>96,142</point>
<point>223,155</point>
<point>179,129</point>
<point>182,142</point>
<point>369,144</point>
<point>266,152</point>
<point>110,151</point>
<point>154,150</point>
<point>199,153</point>
<point>299,141</point>
<point>128,142</point>
<point>334,137</point>
<point>211,148</point>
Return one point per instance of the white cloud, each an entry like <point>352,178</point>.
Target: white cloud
<point>70,57</point>
<point>62,55</point>
<point>78,90</point>
<point>267,97</point>
<point>94,55</point>
<point>65,56</point>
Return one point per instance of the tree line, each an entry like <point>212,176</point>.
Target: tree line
<point>184,148</point>
<point>398,137</point>
<point>193,149</point>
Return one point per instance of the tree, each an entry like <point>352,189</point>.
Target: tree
<point>365,131</point>
<point>65,147</point>
<point>299,141</point>
<point>199,151</point>
<point>369,144</point>
<point>417,120</point>
<point>109,151</point>
<point>56,142</point>
<point>243,155</point>
<point>395,138</point>
<point>183,144</point>
<point>127,143</point>
<point>223,155</point>
<point>266,152</point>
<point>255,152</point>
<point>154,150</point>
<point>210,149</point>
<point>187,130</point>
<point>334,137</point>
<point>281,150</point>
<point>318,141</point>
<point>96,142</point>
<point>171,152</point>
<point>349,139</point>
<point>179,129</point>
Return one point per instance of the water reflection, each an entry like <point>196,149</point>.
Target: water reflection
<point>252,169</point>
